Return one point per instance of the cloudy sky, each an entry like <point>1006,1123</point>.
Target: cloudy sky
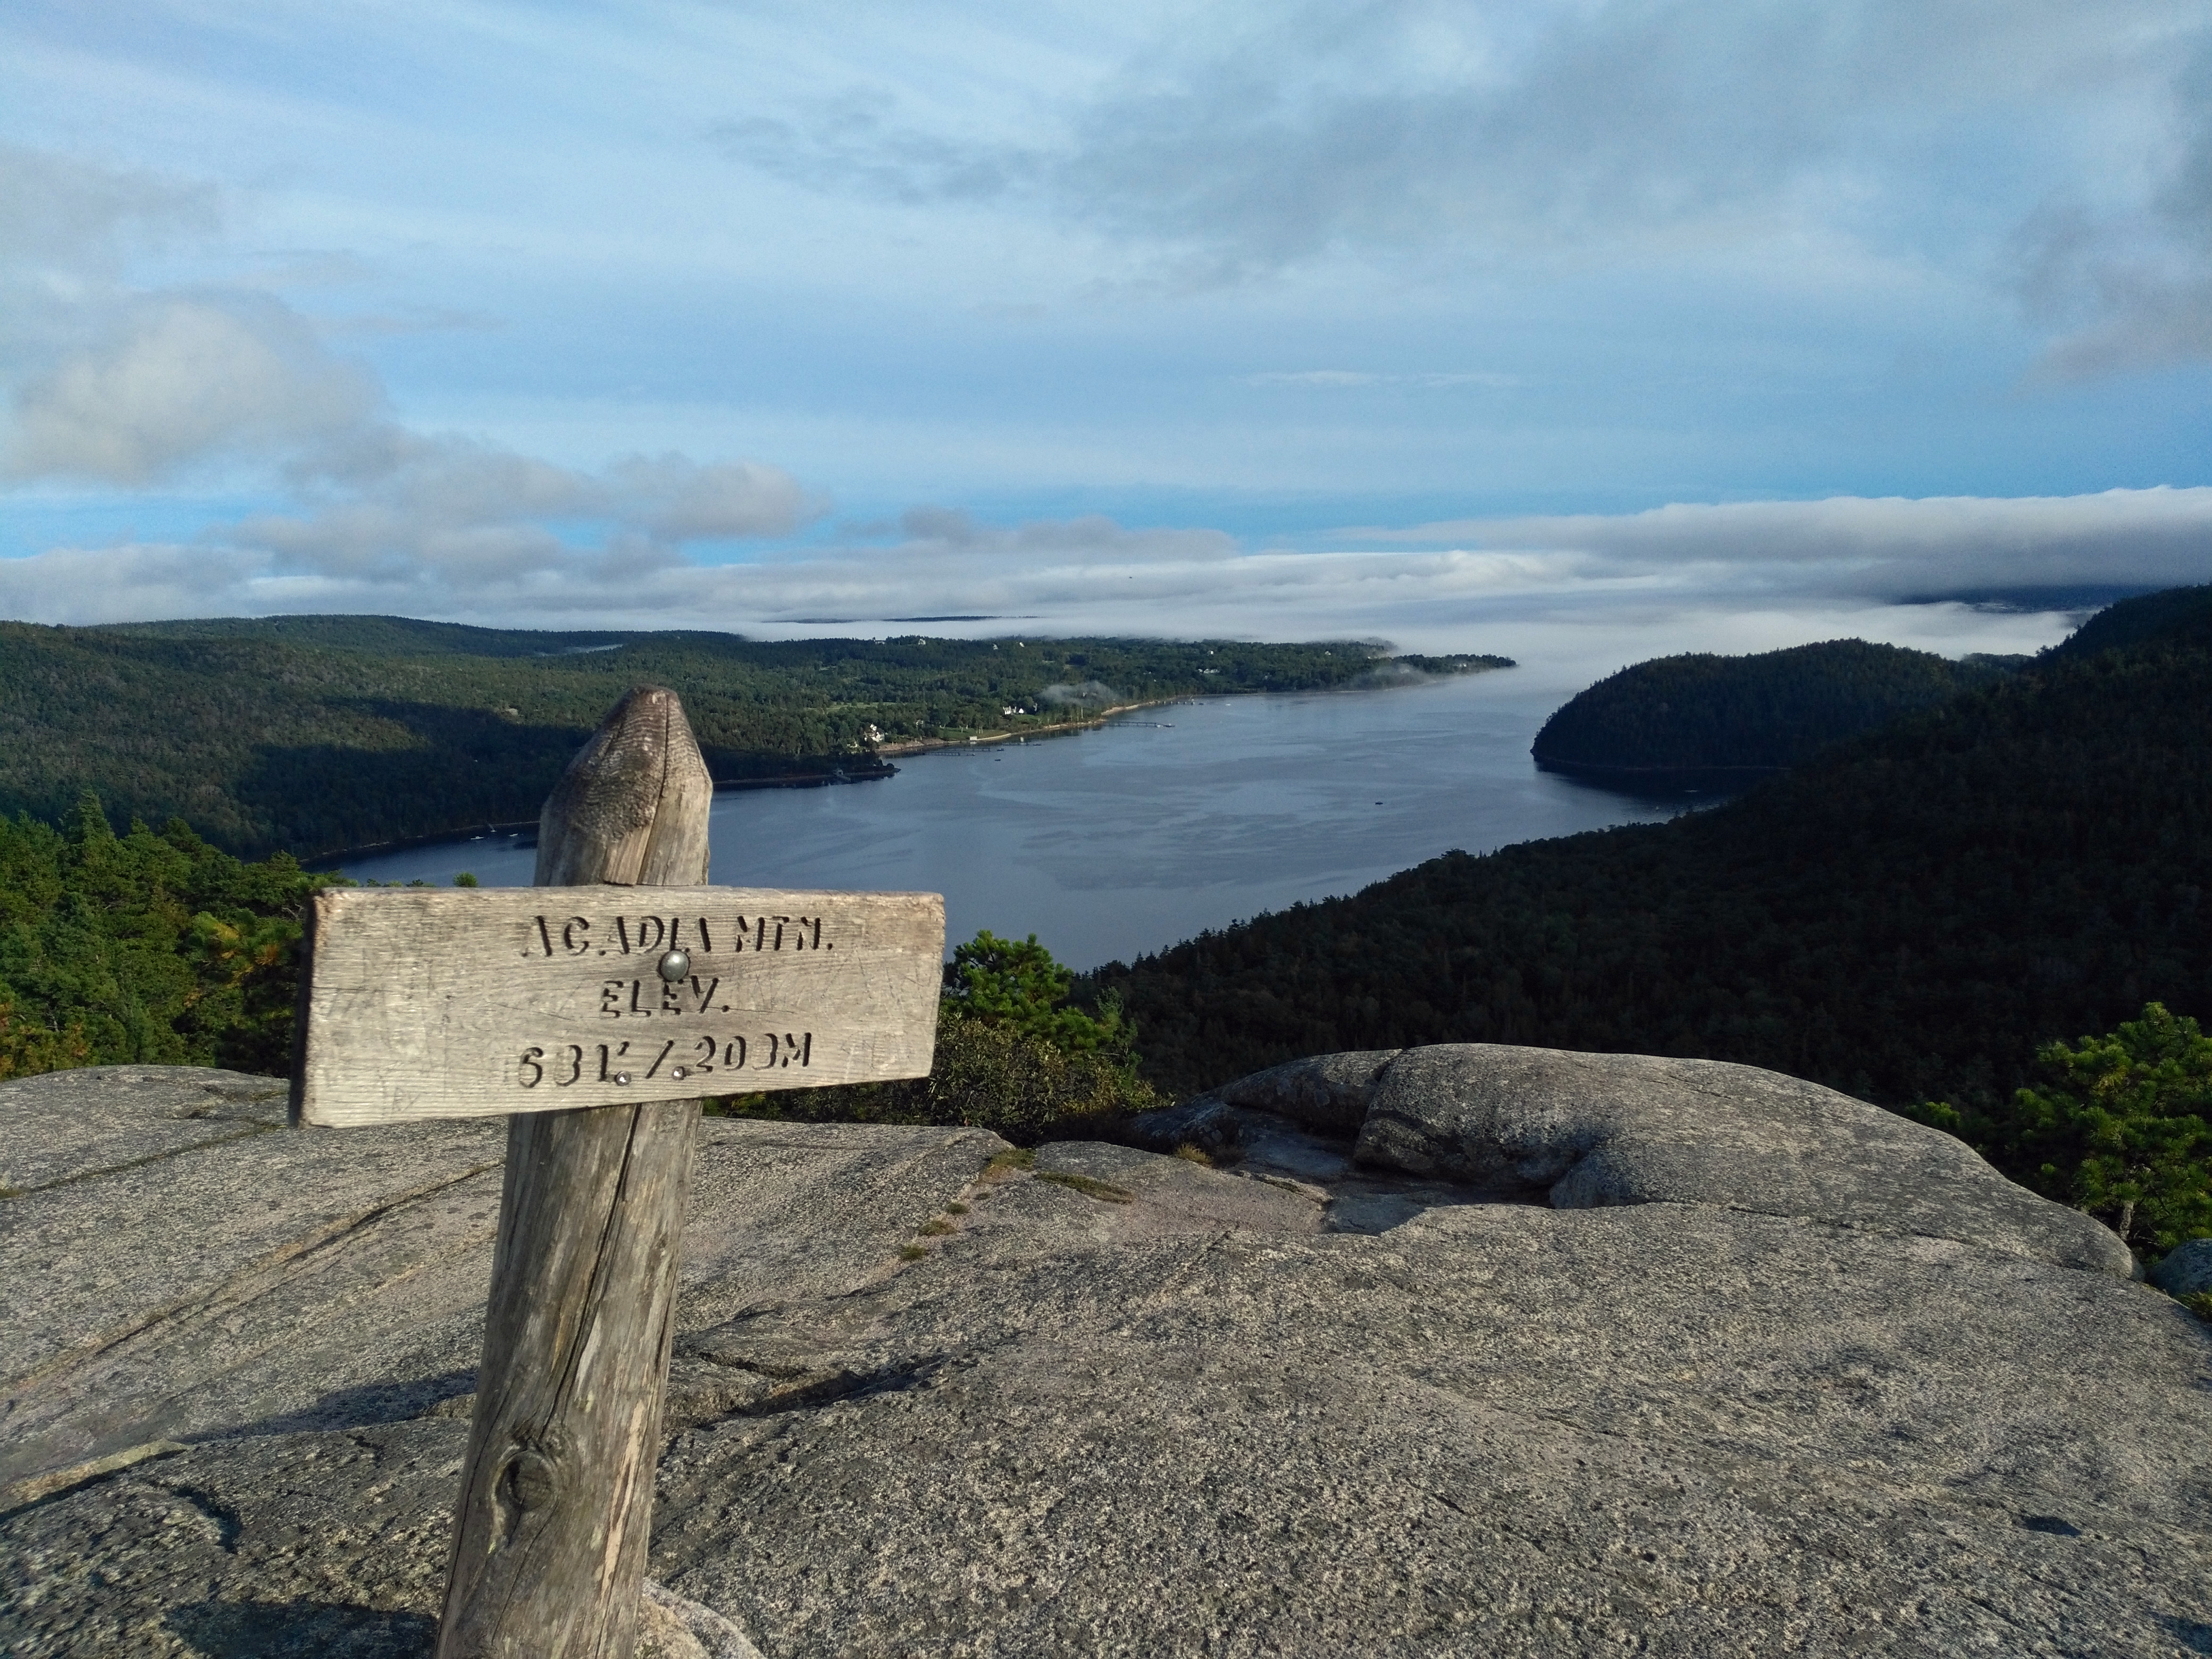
<point>1479,325</point>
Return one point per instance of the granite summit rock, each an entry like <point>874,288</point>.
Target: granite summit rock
<point>930,1397</point>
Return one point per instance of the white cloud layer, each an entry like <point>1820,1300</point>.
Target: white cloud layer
<point>1566,590</point>
<point>1892,550</point>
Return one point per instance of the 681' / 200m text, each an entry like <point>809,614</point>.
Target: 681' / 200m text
<point>569,1063</point>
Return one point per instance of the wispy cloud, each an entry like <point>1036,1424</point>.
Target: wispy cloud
<point>2131,283</point>
<point>856,142</point>
<point>419,319</point>
<point>1257,139</point>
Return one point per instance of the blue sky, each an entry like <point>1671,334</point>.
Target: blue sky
<point>1585,329</point>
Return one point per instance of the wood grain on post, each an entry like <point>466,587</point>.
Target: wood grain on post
<point>556,1500</point>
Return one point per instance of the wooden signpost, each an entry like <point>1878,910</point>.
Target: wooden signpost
<point>594,1015</point>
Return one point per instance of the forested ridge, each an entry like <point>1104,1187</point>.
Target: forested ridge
<point>1908,917</point>
<point>1702,713</point>
<point>312,734</point>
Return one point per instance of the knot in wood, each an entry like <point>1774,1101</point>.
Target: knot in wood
<point>535,1470</point>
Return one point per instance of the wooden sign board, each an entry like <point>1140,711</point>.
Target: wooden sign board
<point>474,1002</point>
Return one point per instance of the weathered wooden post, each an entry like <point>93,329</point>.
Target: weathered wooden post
<point>556,1497</point>
<point>597,1026</point>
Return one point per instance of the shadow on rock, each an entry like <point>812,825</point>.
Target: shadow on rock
<point>375,1403</point>
<point>2192,1636</point>
<point>280,1630</point>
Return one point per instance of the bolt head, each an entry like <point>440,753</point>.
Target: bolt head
<point>676,966</point>
<point>623,1079</point>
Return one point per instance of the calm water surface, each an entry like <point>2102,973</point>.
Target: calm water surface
<point>1126,839</point>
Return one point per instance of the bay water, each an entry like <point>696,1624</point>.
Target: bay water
<point>1126,838</point>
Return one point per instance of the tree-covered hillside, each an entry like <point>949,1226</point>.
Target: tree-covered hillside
<point>1705,713</point>
<point>311,734</point>
<point>2176,612</point>
<point>1908,917</point>
<point>144,947</point>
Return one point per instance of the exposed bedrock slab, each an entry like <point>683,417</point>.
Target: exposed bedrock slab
<point>272,1547</point>
<point>65,1125</point>
<point>1495,1429</point>
<point>1328,1092</point>
<point>927,1401</point>
<point>229,1272</point>
<point>1590,1130</point>
<point>229,1279</point>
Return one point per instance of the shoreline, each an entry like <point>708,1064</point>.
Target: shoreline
<point>1600,769</point>
<point>323,863</point>
<point>917,745</point>
<point>862,771</point>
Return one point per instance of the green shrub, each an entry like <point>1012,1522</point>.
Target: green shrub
<point>2121,1128</point>
<point>1012,1056</point>
<point>1015,984</point>
<point>992,1077</point>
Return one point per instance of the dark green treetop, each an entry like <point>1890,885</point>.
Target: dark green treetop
<point>2120,1126</point>
<point>1017,983</point>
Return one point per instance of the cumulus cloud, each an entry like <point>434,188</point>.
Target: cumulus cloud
<point>454,519</point>
<point>180,379</point>
<point>110,383</point>
<point>60,214</point>
<point>113,384</point>
<point>675,499</point>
